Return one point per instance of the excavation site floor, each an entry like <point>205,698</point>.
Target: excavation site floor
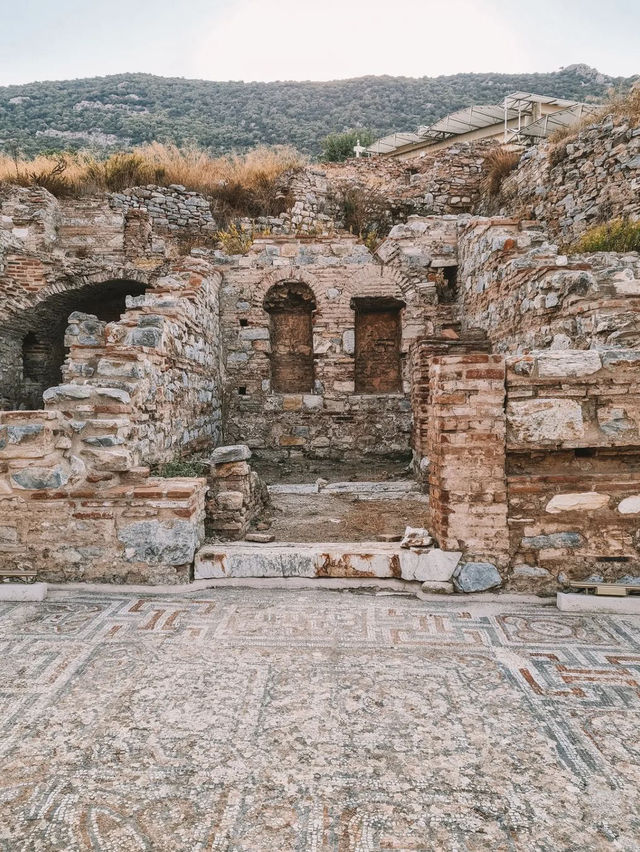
<point>354,514</point>
<point>277,720</point>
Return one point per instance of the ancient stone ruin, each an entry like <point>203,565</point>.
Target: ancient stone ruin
<point>467,376</point>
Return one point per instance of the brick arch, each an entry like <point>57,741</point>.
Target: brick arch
<point>32,347</point>
<point>26,300</point>
<point>283,277</point>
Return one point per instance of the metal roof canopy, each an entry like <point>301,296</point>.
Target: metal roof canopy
<point>513,108</point>
<point>541,128</point>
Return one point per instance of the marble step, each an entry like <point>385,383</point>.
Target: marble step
<point>324,559</point>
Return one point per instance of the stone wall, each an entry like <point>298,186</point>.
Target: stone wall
<point>163,356</point>
<point>578,182</point>
<point>330,419</point>
<point>515,285</point>
<point>171,208</point>
<point>107,523</point>
<point>573,444</point>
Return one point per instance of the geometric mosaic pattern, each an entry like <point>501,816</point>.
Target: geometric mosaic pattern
<point>273,720</point>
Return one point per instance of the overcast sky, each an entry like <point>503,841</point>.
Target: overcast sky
<point>320,40</point>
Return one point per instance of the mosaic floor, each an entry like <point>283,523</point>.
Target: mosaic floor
<point>276,720</point>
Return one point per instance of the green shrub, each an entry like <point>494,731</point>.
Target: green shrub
<point>338,147</point>
<point>617,235</point>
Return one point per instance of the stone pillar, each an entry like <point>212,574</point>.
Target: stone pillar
<point>466,451</point>
<point>236,493</point>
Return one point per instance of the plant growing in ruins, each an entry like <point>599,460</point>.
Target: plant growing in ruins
<point>234,240</point>
<point>618,235</point>
<point>497,165</point>
<point>182,467</point>
<point>365,212</point>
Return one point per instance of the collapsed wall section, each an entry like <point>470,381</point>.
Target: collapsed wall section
<point>516,286</point>
<point>575,183</point>
<point>76,498</point>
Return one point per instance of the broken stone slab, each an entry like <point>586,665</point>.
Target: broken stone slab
<point>85,392</point>
<point>431,566</point>
<point>260,537</point>
<point>476,577</point>
<point>231,453</point>
<point>416,537</point>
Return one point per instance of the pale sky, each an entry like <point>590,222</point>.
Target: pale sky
<point>320,40</point>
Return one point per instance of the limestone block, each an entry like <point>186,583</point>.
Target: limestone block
<point>437,588</point>
<point>349,341</point>
<point>568,362</point>
<point>530,571</point>
<point>581,502</point>
<point>231,453</point>
<point>160,542</point>
<point>476,577</point>
<point>416,537</point>
<point>230,500</point>
<point>433,565</point>
<point>630,505</point>
<point>544,421</point>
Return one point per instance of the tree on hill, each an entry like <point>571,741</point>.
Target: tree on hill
<point>337,147</point>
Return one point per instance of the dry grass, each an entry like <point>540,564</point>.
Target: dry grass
<point>242,184</point>
<point>498,164</point>
<point>620,235</point>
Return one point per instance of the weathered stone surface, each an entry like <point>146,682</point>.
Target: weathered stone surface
<point>159,542</point>
<point>584,502</point>
<point>232,453</point>
<point>476,577</point>
<point>40,478</point>
<point>416,537</point>
<point>229,500</point>
<point>553,541</point>
<point>434,565</point>
<point>545,421</point>
<point>630,505</point>
<point>568,363</point>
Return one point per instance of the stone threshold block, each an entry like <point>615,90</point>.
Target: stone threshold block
<point>322,559</point>
<point>19,592</point>
<point>573,602</point>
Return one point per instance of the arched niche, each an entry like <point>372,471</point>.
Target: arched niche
<point>290,305</point>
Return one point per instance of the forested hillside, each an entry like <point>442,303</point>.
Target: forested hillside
<point>129,109</point>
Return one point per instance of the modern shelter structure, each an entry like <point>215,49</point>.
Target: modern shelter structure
<point>521,116</point>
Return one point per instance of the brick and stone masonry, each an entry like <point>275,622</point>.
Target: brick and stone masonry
<point>508,369</point>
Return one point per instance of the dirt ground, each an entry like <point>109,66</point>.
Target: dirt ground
<point>330,517</point>
<point>308,470</point>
